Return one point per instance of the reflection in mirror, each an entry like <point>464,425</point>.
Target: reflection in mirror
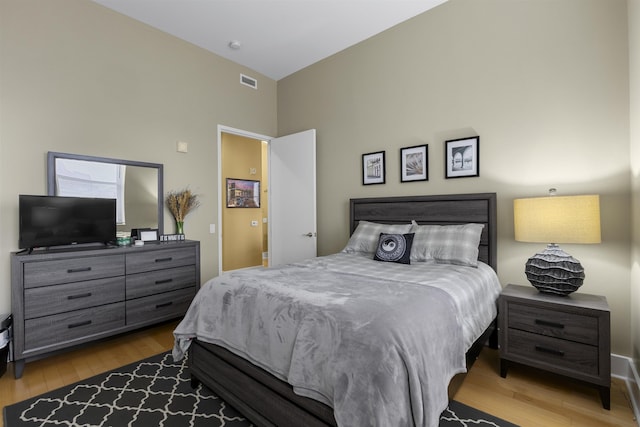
<point>136,186</point>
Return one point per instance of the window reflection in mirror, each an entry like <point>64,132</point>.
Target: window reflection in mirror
<point>78,178</point>
<point>136,186</point>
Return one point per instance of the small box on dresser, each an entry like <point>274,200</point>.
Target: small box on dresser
<point>567,335</point>
<point>64,297</point>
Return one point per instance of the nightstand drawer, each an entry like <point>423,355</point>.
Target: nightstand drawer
<point>567,335</point>
<point>559,353</point>
<point>553,323</point>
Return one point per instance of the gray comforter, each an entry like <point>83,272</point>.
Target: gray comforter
<point>381,352</point>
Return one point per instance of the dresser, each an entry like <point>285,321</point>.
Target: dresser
<point>64,297</point>
<point>567,335</point>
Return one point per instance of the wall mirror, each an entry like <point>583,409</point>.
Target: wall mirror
<point>136,186</point>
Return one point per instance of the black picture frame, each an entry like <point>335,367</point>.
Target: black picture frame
<point>414,163</point>
<point>462,157</point>
<point>243,193</point>
<point>373,168</point>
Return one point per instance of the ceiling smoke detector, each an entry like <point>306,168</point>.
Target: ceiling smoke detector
<point>234,44</point>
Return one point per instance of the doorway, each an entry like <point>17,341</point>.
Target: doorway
<point>278,225</point>
<point>243,216</point>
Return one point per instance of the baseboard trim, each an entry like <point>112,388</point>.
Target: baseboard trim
<point>622,367</point>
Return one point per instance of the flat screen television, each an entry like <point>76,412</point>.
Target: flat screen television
<point>55,221</point>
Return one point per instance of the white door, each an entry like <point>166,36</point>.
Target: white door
<point>292,198</point>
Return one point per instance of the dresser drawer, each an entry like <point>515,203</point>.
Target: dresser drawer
<point>61,328</point>
<point>168,305</point>
<point>155,260</point>
<point>154,282</point>
<point>47,300</point>
<point>45,273</point>
<point>553,323</point>
<point>560,354</point>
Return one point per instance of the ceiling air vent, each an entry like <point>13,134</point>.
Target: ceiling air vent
<point>248,81</point>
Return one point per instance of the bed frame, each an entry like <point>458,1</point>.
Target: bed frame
<point>269,402</point>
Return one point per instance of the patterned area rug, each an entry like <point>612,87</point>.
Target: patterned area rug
<point>157,392</point>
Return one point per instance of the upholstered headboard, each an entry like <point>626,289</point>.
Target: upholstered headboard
<point>479,208</point>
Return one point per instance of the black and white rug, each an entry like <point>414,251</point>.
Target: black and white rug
<point>157,392</point>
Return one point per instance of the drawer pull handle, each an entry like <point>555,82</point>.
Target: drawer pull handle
<point>78,270</point>
<point>550,324</point>
<point>164,259</point>
<point>549,350</point>
<point>76,325</point>
<point>160,282</point>
<point>88,294</point>
<point>166,304</point>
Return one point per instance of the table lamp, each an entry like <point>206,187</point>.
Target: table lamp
<point>553,220</point>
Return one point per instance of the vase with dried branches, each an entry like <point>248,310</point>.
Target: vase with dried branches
<point>180,203</point>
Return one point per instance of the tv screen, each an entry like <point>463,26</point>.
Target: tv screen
<point>54,221</point>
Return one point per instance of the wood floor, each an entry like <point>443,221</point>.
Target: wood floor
<point>530,397</point>
<point>527,397</point>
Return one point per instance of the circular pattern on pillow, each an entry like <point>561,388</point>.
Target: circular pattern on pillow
<point>394,248</point>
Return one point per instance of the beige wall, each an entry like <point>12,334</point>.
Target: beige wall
<point>544,84</point>
<point>242,244</point>
<point>634,74</point>
<point>79,78</point>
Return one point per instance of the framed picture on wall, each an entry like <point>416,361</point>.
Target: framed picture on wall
<point>462,157</point>
<point>373,168</point>
<point>414,163</point>
<point>243,193</point>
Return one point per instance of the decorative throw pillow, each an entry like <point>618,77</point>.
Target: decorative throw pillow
<point>365,238</point>
<point>394,248</point>
<point>447,244</point>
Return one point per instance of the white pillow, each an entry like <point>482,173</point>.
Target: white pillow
<point>446,244</point>
<point>365,238</point>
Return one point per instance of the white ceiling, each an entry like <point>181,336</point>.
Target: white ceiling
<point>277,37</point>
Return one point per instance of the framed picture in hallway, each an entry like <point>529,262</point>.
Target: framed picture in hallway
<point>462,157</point>
<point>243,193</point>
<point>414,163</point>
<point>373,168</point>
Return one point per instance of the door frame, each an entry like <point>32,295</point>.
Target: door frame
<point>226,129</point>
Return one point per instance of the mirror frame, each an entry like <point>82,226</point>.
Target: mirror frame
<point>51,175</point>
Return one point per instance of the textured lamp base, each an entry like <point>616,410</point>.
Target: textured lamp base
<point>554,271</point>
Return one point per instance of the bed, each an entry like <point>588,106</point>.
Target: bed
<point>263,393</point>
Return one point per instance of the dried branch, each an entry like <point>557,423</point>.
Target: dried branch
<point>180,203</point>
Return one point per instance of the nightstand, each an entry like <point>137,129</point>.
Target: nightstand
<point>567,335</point>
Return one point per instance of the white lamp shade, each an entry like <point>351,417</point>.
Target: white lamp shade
<point>557,219</point>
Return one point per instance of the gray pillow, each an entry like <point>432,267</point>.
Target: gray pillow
<point>447,244</point>
<point>365,238</point>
